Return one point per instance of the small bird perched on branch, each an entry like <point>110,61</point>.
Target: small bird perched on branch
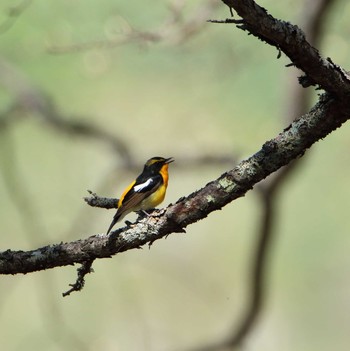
<point>147,191</point>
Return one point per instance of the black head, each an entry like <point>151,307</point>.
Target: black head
<point>156,163</point>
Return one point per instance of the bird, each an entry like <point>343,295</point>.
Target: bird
<point>147,191</point>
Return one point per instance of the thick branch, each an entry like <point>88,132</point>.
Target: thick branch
<point>314,13</point>
<point>325,117</point>
<point>291,40</point>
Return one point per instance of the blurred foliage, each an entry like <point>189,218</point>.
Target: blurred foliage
<point>219,92</point>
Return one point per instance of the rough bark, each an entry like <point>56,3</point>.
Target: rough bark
<point>327,115</point>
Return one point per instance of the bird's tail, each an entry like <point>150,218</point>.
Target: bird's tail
<point>115,220</point>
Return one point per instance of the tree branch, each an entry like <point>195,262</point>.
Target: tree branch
<point>80,282</point>
<point>291,40</point>
<point>327,115</point>
<point>28,98</point>
<point>102,202</point>
<point>175,30</point>
<point>313,19</point>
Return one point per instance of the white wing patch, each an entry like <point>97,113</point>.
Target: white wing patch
<point>139,187</point>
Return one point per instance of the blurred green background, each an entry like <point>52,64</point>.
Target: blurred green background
<point>218,92</point>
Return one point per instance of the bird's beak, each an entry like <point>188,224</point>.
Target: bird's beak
<point>169,160</point>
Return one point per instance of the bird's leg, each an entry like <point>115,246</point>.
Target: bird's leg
<point>144,213</point>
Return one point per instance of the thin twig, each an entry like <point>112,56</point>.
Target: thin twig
<point>227,21</point>
<point>29,99</point>
<point>83,270</point>
<point>103,202</point>
<point>175,30</point>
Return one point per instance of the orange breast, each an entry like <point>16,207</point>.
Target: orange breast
<point>164,174</point>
